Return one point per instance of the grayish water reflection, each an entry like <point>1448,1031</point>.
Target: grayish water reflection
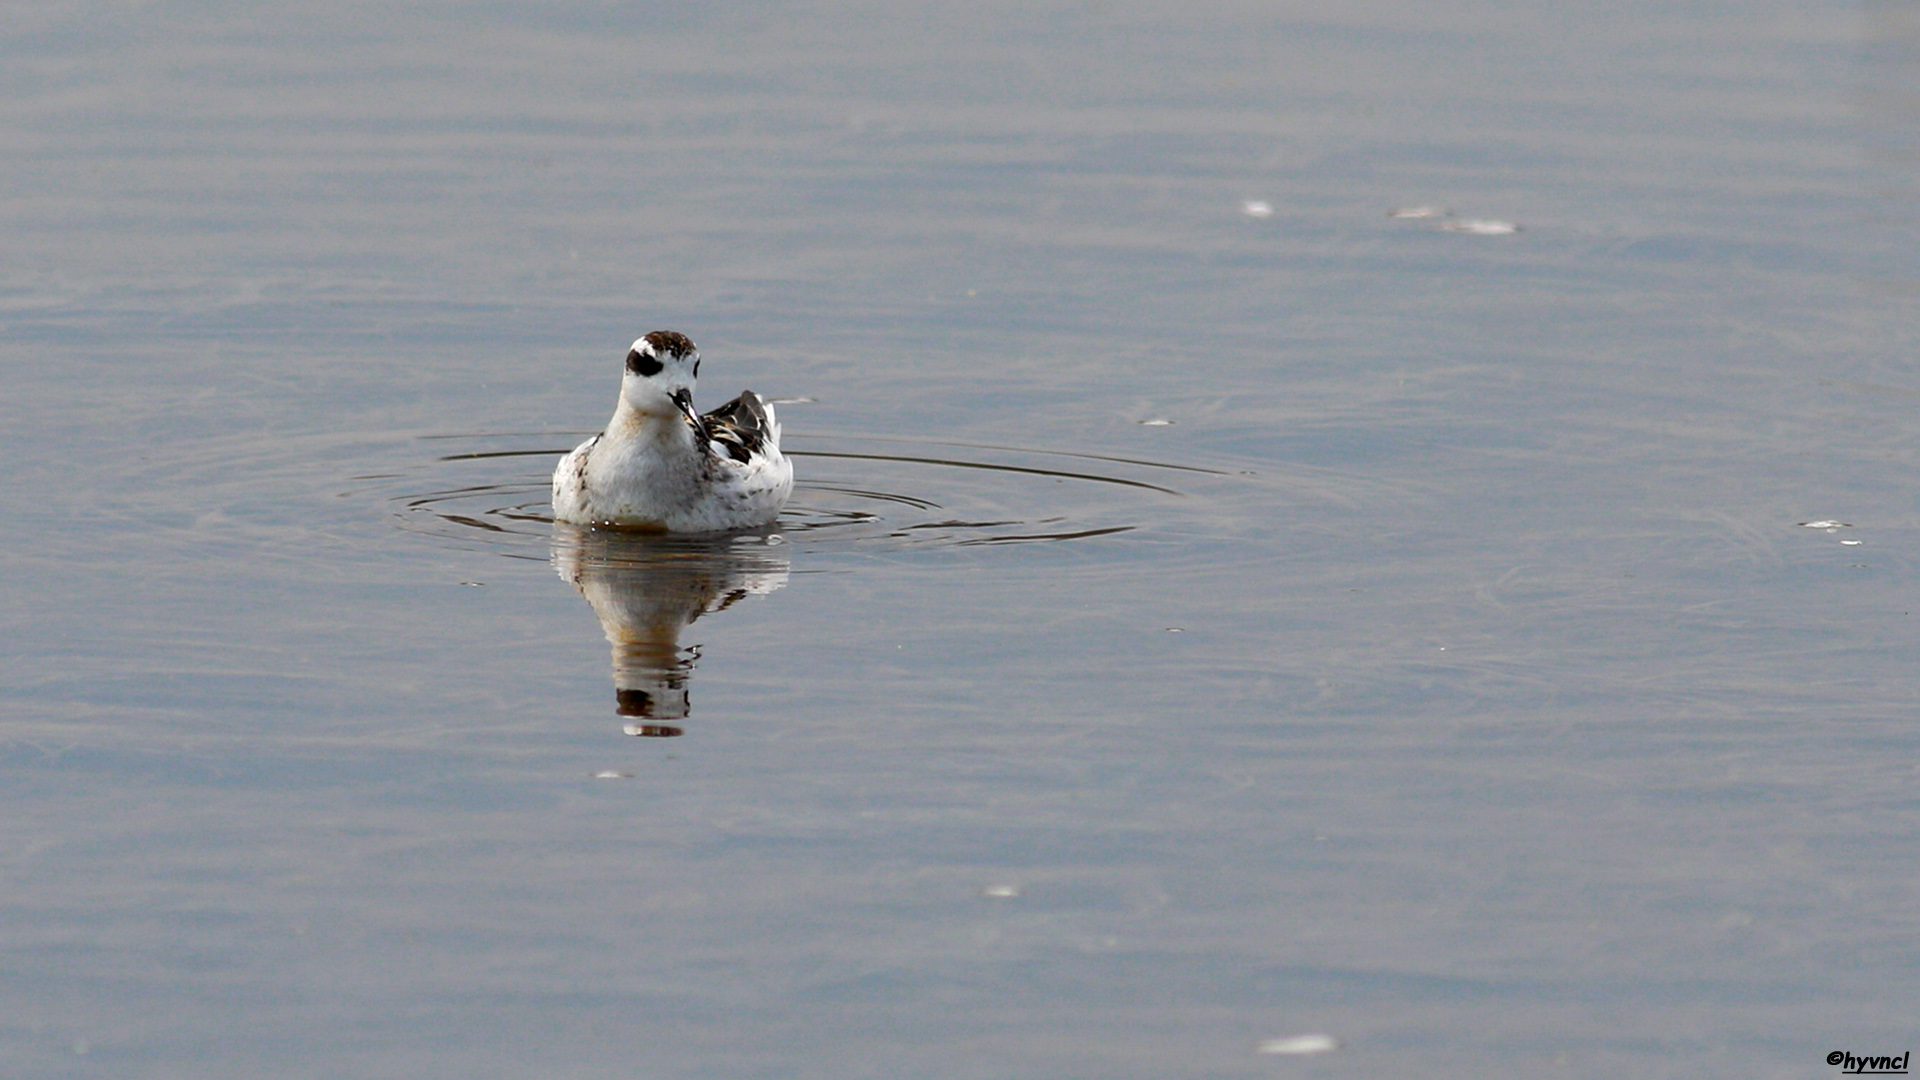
<point>1451,672</point>
<point>646,591</point>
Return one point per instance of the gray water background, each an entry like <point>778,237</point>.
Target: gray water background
<point>1464,686</point>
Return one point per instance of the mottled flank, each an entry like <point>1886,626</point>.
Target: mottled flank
<point>671,342</point>
<point>580,459</point>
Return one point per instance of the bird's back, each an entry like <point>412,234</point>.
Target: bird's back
<point>744,428</point>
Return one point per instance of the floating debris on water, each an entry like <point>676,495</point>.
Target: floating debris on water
<point>1827,524</point>
<point>609,774</point>
<point>1480,227</point>
<point>473,584</point>
<point>1001,892</point>
<point>1176,629</point>
<point>1448,223</point>
<point>1254,208</point>
<point>1301,1044</point>
<point>1156,423</point>
<point>1853,543</point>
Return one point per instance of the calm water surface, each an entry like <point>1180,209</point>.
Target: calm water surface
<point>1214,610</point>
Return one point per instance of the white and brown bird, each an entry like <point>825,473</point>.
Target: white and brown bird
<point>661,466</point>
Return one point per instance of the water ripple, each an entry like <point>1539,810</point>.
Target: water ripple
<point>857,492</point>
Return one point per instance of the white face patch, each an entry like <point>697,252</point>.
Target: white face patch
<point>659,366</point>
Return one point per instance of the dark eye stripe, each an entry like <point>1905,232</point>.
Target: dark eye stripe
<point>696,369</point>
<point>642,364</point>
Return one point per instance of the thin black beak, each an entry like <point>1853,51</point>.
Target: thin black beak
<point>684,399</point>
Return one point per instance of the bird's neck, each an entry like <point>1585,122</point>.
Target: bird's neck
<point>645,425</point>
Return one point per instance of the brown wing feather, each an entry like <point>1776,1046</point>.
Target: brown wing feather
<point>740,426</point>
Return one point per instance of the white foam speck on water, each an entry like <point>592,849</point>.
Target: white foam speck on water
<point>1298,1045</point>
<point>1446,222</point>
<point>1480,227</point>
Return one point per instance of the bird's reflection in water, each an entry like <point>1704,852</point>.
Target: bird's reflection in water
<point>646,589</point>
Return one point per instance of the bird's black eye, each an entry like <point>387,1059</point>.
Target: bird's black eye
<point>642,364</point>
<point>696,369</point>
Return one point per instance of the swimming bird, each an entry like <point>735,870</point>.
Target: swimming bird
<point>661,467</point>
